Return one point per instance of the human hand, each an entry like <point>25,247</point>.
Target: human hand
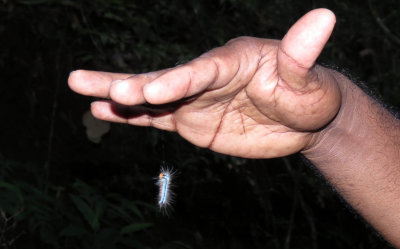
<point>254,98</point>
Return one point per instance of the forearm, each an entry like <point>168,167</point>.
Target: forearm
<point>359,154</point>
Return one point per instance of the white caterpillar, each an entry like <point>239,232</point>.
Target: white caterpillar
<point>164,182</point>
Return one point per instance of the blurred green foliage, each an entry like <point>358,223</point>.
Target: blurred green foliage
<point>70,216</point>
<point>223,202</point>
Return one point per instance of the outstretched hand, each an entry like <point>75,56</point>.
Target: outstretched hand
<point>255,98</point>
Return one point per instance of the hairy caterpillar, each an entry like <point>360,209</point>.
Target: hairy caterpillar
<point>164,182</point>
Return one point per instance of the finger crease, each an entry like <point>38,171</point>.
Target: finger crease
<point>290,57</point>
<point>218,127</point>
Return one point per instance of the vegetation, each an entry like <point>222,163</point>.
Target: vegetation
<point>58,189</point>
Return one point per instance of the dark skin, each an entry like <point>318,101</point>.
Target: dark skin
<point>261,98</point>
<point>273,109</point>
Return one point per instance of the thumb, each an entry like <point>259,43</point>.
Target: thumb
<point>302,45</point>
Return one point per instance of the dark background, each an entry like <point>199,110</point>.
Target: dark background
<point>58,189</point>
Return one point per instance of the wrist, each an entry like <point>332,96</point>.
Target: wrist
<point>348,127</point>
<point>358,154</point>
<point>360,127</point>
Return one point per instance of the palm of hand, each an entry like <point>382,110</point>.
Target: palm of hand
<point>253,113</point>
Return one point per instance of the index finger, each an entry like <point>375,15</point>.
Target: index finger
<point>94,83</point>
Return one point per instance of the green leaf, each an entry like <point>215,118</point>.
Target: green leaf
<point>125,204</point>
<point>91,216</point>
<point>12,188</point>
<point>135,227</point>
<point>132,206</point>
<point>83,187</point>
<point>117,210</point>
<point>113,16</point>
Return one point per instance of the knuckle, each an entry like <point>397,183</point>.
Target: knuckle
<point>240,39</point>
